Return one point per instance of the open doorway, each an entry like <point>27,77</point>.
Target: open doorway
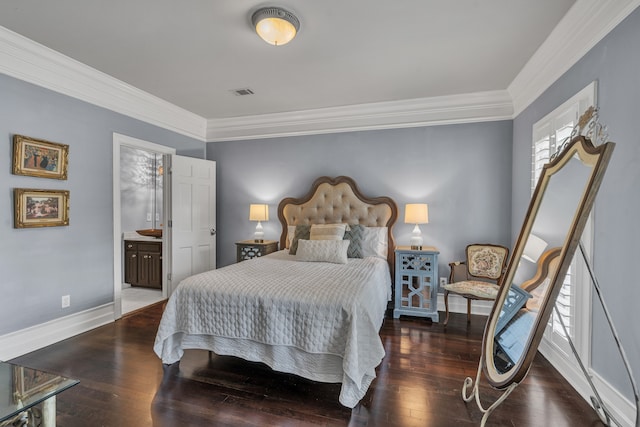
<point>140,262</point>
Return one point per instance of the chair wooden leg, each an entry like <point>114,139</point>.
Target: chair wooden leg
<point>468,310</point>
<point>446,307</point>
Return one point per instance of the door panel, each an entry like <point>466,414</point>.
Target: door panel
<point>193,215</point>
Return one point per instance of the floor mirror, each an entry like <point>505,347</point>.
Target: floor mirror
<point>550,236</point>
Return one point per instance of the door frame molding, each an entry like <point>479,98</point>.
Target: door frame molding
<point>120,140</point>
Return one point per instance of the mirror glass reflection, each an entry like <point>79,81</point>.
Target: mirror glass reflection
<point>561,192</point>
<point>141,188</point>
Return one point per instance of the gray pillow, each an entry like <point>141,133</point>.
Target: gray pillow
<point>355,234</point>
<point>302,232</point>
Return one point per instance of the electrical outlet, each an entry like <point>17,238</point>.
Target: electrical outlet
<point>157,217</point>
<point>149,216</point>
<point>443,281</point>
<point>66,301</point>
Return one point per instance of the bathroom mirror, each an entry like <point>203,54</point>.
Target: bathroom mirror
<point>556,217</point>
<point>141,189</point>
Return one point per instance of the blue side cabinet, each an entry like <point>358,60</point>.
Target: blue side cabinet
<point>416,287</point>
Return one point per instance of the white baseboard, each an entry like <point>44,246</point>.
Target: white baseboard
<point>21,342</point>
<point>458,304</point>
<point>620,407</point>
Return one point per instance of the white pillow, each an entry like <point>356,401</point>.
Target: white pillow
<point>374,242</point>
<point>334,251</point>
<point>327,231</point>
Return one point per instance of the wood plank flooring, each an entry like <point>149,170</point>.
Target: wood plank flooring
<point>123,383</point>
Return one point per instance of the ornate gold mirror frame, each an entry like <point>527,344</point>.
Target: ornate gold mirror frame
<point>557,214</point>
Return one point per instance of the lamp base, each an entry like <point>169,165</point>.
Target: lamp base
<point>416,238</point>
<point>416,247</point>
<point>259,234</point>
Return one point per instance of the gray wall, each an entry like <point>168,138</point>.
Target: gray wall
<point>615,63</point>
<point>462,171</point>
<point>40,265</point>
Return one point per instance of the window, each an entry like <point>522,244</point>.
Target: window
<point>573,302</point>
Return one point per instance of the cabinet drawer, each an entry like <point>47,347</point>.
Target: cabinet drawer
<point>418,263</point>
<point>149,247</point>
<point>249,249</point>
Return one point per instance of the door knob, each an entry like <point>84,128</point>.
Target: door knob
<point>212,231</point>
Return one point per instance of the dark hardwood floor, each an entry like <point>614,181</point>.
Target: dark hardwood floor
<point>122,383</point>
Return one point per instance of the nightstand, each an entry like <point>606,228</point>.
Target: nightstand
<point>248,249</point>
<point>416,284</point>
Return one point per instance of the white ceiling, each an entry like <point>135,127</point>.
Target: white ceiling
<point>192,53</point>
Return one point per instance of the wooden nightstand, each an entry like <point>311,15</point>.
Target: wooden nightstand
<point>248,249</point>
<point>416,287</point>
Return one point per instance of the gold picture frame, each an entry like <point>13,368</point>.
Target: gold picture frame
<point>37,157</point>
<point>41,208</point>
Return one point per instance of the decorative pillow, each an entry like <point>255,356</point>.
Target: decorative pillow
<point>334,251</point>
<point>355,234</point>
<point>291,230</point>
<point>328,231</point>
<point>302,232</point>
<point>374,242</point>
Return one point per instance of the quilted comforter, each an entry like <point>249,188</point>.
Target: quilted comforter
<point>313,319</point>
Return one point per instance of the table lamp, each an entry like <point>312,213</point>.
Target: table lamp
<point>259,213</point>
<point>416,213</point>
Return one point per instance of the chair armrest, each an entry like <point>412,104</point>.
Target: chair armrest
<point>458,271</point>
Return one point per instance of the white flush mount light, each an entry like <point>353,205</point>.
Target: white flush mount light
<point>275,25</point>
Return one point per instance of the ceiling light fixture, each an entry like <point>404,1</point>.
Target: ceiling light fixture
<point>275,25</point>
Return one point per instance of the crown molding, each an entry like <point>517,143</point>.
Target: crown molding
<point>465,108</point>
<point>32,62</point>
<point>584,25</point>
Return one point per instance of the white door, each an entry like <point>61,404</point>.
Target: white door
<point>193,217</point>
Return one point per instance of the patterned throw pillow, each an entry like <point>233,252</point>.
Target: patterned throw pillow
<point>302,232</point>
<point>334,251</point>
<point>327,231</point>
<point>355,234</point>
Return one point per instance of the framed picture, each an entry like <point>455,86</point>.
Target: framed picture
<point>41,208</point>
<point>36,157</point>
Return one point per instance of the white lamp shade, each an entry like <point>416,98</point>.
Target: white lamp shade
<point>259,212</point>
<point>416,213</point>
<point>534,247</point>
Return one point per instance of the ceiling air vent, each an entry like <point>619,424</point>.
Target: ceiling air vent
<point>242,92</point>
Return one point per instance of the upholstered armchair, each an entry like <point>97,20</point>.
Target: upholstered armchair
<point>478,277</point>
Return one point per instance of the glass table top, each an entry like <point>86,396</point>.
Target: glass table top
<point>21,388</point>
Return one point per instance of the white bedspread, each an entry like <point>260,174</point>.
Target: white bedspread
<point>313,319</point>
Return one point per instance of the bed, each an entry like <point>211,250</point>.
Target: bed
<point>316,313</point>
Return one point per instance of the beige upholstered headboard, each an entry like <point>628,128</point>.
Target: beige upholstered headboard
<point>335,201</point>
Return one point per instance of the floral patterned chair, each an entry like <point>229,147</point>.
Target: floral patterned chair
<point>477,278</point>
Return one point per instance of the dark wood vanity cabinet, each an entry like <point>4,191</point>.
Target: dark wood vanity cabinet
<point>143,263</point>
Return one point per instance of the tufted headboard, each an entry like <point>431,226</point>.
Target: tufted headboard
<point>335,201</point>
